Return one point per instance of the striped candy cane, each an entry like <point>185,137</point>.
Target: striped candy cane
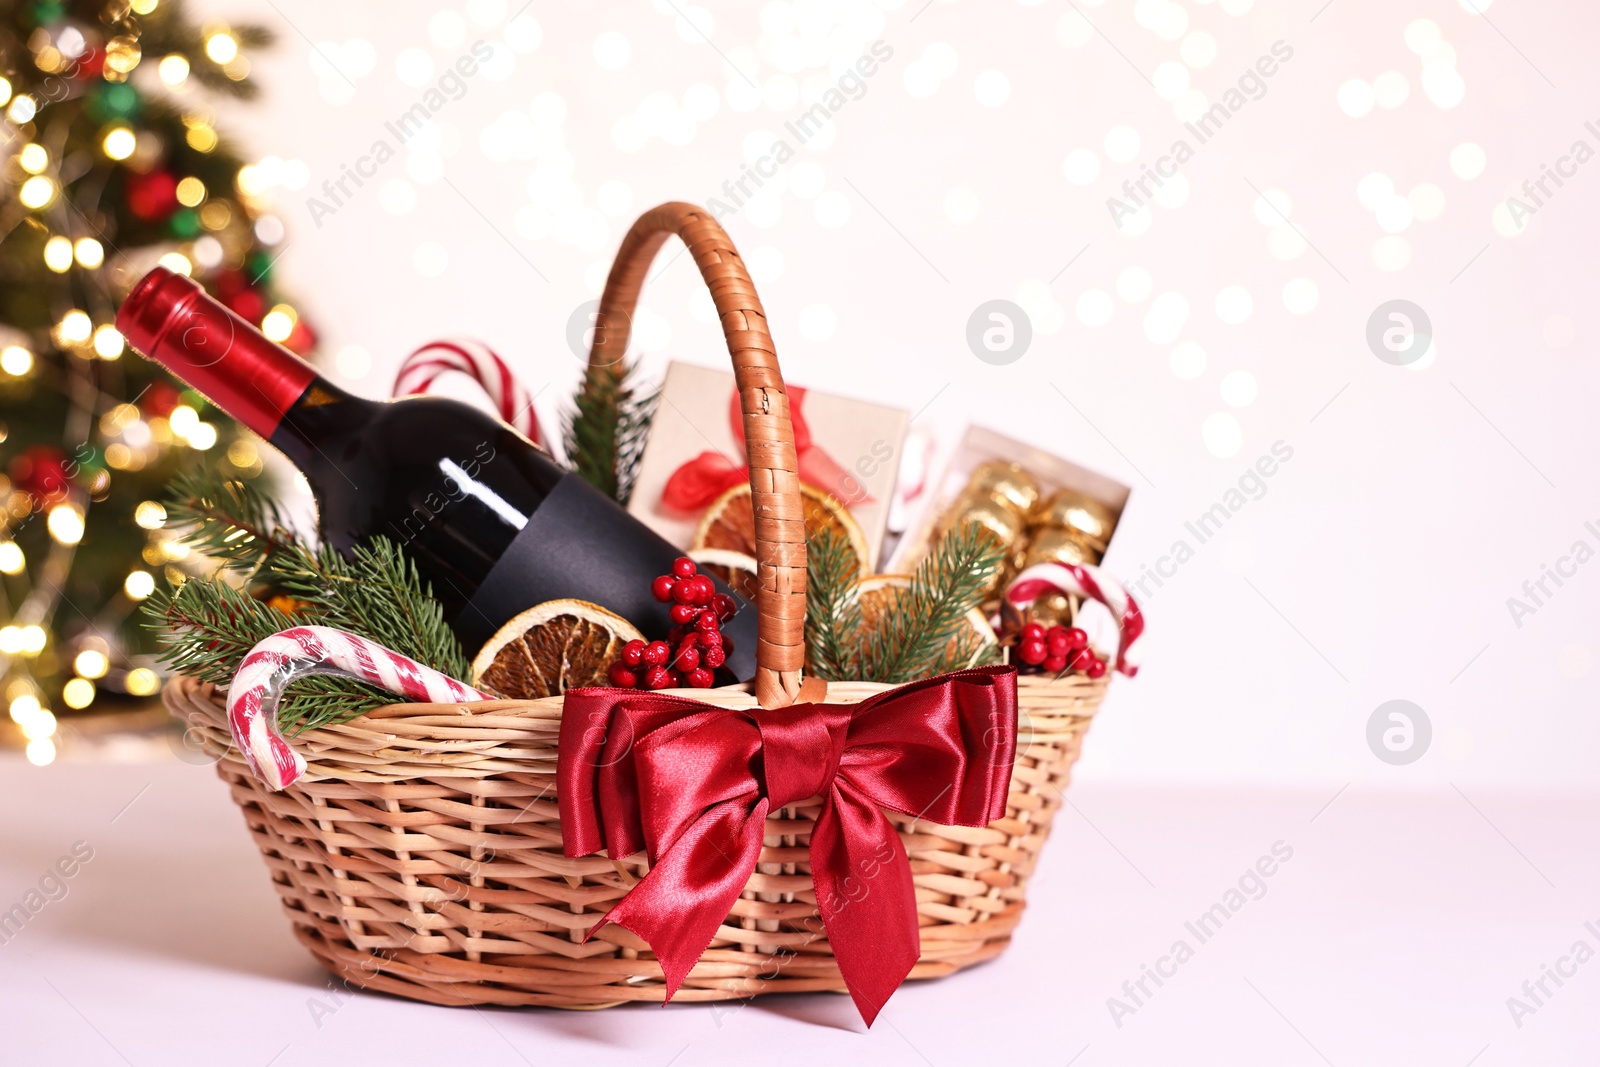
<point>478,362</point>
<point>269,667</point>
<point>1095,584</point>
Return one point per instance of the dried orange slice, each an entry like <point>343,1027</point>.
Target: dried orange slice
<point>877,596</point>
<point>734,568</point>
<point>729,523</point>
<point>550,648</point>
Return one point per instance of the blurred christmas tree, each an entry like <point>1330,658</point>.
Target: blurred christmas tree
<point>109,164</point>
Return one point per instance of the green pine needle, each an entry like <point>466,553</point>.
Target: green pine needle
<point>603,434</point>
<point>208,625</point>
<point>227,519</point>
<point>913,635</point>
<point>833,612</point>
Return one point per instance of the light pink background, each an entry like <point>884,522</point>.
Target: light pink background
<point>1379,562</point>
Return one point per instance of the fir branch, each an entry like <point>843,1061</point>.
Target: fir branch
<point>375,592</point>
<point>603,434</point>
<point>207,627</point>
<point>228,519</point>
<point>912,638</point>
<point>833,611</point>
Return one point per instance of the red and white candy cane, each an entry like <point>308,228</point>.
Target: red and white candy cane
<point>1092,582</point>
<point>294,653</point>
<point>479,362</point>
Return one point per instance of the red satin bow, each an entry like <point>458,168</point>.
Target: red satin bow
<point>710,474</point>
<point>691,784</point>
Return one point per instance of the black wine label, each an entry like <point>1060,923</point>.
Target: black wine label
<point>581,544</point>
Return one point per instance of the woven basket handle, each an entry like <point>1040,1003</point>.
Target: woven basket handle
<point>769,438</point>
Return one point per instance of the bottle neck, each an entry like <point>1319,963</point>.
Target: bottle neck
<point>171,320</point>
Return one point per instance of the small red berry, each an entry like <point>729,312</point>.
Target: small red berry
<point>674,679</point>
<point>725,606</point>
<point>657,678</point>
<point>1081,659</point>
<point>1032,629</point>
<point>688,658</point>
<point>683,614</point>
<point>1077,639</point>
<point>661,588</point>
<point>1032,651</point>
<point>700,678</point>
<point>632,653</point>
<point>622,677</point>
<point>704,589</point>
<point>1097,669</point>
<point>656,653</point>
<point>684,567</point>
<point>707,622</point>
<point>711,638</point>
<point>683,592</point>
<point>713,656</point>
<point>1057,641</point>
<point>1055,664</point>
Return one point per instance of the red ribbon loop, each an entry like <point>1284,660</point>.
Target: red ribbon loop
<point>699,481</point>
<point>691,785</point>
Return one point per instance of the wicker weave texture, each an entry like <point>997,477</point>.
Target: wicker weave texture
<point>421,855</point>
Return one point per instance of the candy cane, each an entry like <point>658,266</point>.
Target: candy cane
<point>478,362</point>
<point>1091,582</point>
<point>272,664</point>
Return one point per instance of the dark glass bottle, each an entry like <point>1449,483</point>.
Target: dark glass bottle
<point>493,524</point>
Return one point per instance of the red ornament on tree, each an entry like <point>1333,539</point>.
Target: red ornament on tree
<point>159,400</point>
<point>41,472</point>
<point>247,304</point>
<point>152,197</point>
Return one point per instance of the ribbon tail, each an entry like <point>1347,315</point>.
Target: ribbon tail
<point>867,899</point>
<point>678,907</point>
<point>819,469</point>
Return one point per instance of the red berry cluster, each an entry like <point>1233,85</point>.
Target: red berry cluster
<point>1058,649</point>
<point>694,648</point>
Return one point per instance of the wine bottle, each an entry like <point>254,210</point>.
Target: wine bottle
<point>493,524</point>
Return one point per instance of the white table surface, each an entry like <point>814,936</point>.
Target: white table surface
<point>1394,935</point>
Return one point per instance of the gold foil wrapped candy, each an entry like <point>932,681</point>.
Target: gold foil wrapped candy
<point>1089,520</point>
<point>1056,544</point>
<point>1002,522</point>
<point>995,517</point>
<point>1005,482</point>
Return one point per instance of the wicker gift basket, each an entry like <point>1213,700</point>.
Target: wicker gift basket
<point>421,854</point>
